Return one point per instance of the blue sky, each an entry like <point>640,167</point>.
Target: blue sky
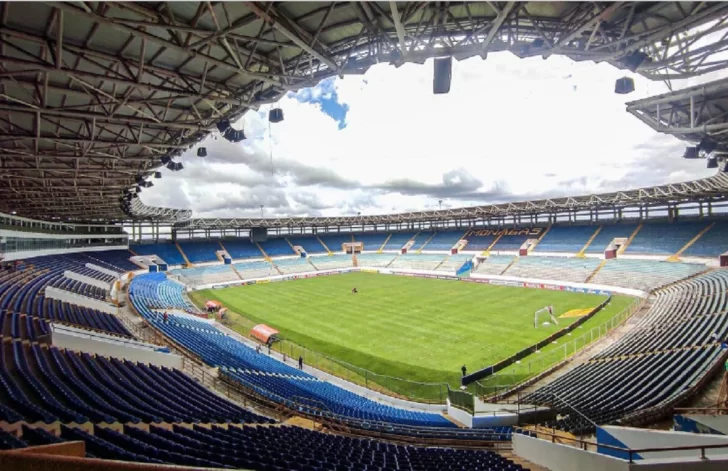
<point>509,130</point>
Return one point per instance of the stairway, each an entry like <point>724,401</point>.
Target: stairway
<point>676,257</point>
<point>393,260</point>
<point>629,241</point>
<point>289,243</point>
<point>314,266</point>
<point>236,272</point>
<point>324,245</point>
<point>515,259</point>
<point>530,249</point>
<point>486,252</point>
<point>132,252</point>
<point>265,255</point>
<point>593,274</point>
<point>187,261</point>
<point>581,252</point>
<point>381,249</point>
<point>426,242</point>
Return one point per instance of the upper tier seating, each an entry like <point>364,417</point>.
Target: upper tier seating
<point>712,243</point>
<point>200,251</point>
<point>258,269</point>
<point>49,384</point>
<point>420,240</point>
<point>277,247</point>
<point>371,241</point>
<point>418,261</point>
<point>479,243</point>
<point>453,263</point>
<point>117,260</point>
<point>166,251</point>
<point>23,327</point>
<point>663,238</point>
<point>565,239</point>
<point>323,262</point>
<point>554,268</point>
<point>494,265</point>
<point>398,240</point>
<point>380,260</point>
<point>241,248</point>
<point>666,353</point>
<point>511,242</point>
<point>310,244</point>
<point>293,265</point>
<point>267,376</point>
<point>334,241</point>
<point>261,448</point>
<point>206,275</point>
<point>607,234</point>
<point>444,240</point>
<point>643,274</point>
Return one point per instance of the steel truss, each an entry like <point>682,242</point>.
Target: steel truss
<point>710,189</point>
<point>92,95</point>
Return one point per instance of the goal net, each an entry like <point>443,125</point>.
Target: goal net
<point>547,311</point>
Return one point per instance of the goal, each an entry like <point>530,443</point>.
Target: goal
<point>549,311</point>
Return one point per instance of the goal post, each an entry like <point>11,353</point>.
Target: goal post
<point>546,310</point>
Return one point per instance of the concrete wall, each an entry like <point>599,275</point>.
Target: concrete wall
<point>103,270</point>
<point>22,255</point>
<point>558,457</point>
<point>636,438</point>
<point>108,346</point>
<point>73,298</point>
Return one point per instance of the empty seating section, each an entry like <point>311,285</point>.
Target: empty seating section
<point>79,287</point>
<point>420,239</point>
<point>293,265</point>
<point>379,260</point>
<point>166,251</point>
<point>663,238</point>
<point>241,248</point>
<point>331,262</point>
<point>452,263</point>
<point>117,260</point>
<point>667,352</point>
<point>418,261</point>
<point>48,384</point>
<point>277,247</point>
<point>310,244</point>
<point>710,244</point>
<point>371,241</point>
<point>607,234</point>
<point>444,240</point>
<point>643,274</point>
<point>512,242</point>
<point>266,375</point>
<point>335,241</point>
<point>479,243</point>
<point>200,251</point>
<point>576,270</point>
<point>21,326</point>
<point>259,269</point>
<point>398,240</point>
<point>494,265</point>
<point>205,275</point>
<point>565,239</point>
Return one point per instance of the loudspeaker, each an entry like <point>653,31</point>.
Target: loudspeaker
<point>202,152</point>
<point>442,76</point>
<point>707,145</point>
<point>275,115</point>
<point>157,174</point>
<point>166,159</point>
<point>634,60</point>
<point>624,86</point>
<point>690,153</point>
<point>712,163</point>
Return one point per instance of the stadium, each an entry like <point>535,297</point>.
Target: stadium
<point>587,331</point>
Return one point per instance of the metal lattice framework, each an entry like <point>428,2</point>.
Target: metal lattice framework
<point>93,94</point>
<point>714,188</point>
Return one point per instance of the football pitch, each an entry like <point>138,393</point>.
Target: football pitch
<point>414,328</point>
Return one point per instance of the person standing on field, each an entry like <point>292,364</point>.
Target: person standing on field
<point>300,362</point>
<point>464,370</point>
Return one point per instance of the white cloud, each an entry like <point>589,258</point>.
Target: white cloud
<point>509,129</point>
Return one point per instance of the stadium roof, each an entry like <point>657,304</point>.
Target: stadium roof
<point>93,94</point>
<point>714,188</point>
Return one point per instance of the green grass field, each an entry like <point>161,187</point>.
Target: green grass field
<point>414,328</point>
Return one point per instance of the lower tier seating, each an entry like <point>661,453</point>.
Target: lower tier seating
<point>643,274</point>
<point>554,268</point>
<point>494,265</point>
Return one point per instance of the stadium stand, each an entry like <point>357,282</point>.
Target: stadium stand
<point>494,264</point>
<point>479,243</point>
<point>334,241</point>
<point>444,240</point>
<point>293,265</point>
<point>398,239</point>
<point>241,248</point>
<point>452,263</point>
<point>712,243</point>
<point>258,269</point>
<point>607,234</point>
<point>206,275</point>
<point>310,244</point>
<point>418,261</point>
<point>667,352</point>
<point>565,239</point>
<point>375,259</point>
<point>267,376</point>
<point>117,260</point>
<point>663,238</point>
<point>643,274</point>
<point>166,251</point>
<point>372,240</point>
<point>331,262</point>
<point>512,242</point>
<point>421,239</point>
<point>554,268</point>
<point>277,247</point>
<point>200,251</point>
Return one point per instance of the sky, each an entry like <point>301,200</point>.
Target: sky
<point>509,130</point>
